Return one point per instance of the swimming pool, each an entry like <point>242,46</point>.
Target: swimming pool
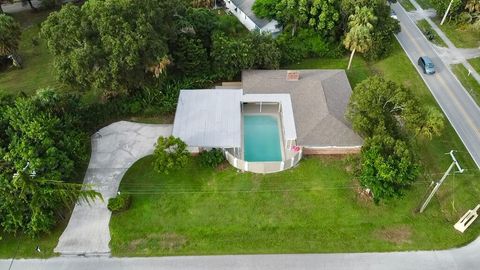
<point>261,138</point>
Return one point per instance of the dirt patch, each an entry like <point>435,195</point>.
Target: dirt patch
<point>135,244</point>
<point>398,235</point>
<point>170,241</point>
<point>223,166</point>
<point>363,196</point>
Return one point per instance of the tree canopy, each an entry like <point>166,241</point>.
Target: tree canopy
<point>388,115</point>
<point>41,149</point>
<point>170,154</point>
<point>110,45</point>
<point>381,106</point>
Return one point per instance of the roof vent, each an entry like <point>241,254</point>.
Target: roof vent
<point>293,75</point>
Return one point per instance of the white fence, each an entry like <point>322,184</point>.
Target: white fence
<point>263,167</point>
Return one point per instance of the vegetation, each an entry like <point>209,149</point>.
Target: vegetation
<point>407,5</point>
<point>460,34</point>
<point>323,24</point>
<point>475,62</point>
<point>119,203</point>
<point>41,147</point>
<point>10,37</point>
<point>170,154</point>
<point>468,81</point>
<point>315,207</point>
<point>37,67</point>
<point>386,114</point>
<point>359,37</point>
<point>212,158</point>
<point>429,33</point>
<point>463,21</point>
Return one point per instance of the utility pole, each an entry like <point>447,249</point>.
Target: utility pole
<point>436,185</point>
<point>446,12</point>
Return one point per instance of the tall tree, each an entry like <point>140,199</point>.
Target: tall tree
<point>41,148</point>
<point>359,36</point>
<point>10,37</point>
<point>378,106</point>
<point>324,16</point>
<point>111,45</point>
<point>388,167</point>
<point>292,13</point>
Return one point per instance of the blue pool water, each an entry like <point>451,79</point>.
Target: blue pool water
<point>261,138</point>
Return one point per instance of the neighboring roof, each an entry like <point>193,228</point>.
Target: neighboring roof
<point>288,121</point>
<point>319,101</point>
<point>209,118</point>
<point>246,7</point>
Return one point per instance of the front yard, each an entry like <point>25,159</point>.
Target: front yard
<point>312,208</point>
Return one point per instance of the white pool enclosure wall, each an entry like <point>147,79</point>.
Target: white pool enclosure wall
<point>208,119</point>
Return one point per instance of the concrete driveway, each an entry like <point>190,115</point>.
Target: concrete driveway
<point>114,149</point>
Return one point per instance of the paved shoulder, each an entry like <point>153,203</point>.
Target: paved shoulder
<point>454,259</point>
<point>114,149</point>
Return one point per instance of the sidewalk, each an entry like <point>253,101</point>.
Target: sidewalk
<point>458,54</point>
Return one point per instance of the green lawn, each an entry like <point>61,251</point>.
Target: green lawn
<point>461,36</point>
<point>425,4</point>
<point>469,82</point>
<point>37,71</point>
<point>475,62</point>
<point>26,245</point>
<point>407,5</point>
<point>429,33</point>
<point>312,208</point>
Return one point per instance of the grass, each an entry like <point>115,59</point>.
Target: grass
<point>469,82</point>
<point>407,5</point>
<point>475,62</point>
<point>26,245</point>
<point>425,4</point>
<point>460,35</point>
<point>429,33</point>
<point>312,208</point>
<point>38,70</point>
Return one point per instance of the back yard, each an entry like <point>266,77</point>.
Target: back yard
<point>313,208</point>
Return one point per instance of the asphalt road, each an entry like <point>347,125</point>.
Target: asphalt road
<point>459,107</point>
<point>466,258</point>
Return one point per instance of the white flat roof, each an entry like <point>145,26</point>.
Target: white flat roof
<point>209,118</point>
<point>287,111</point>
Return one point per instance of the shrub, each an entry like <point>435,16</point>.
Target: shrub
<point>212,158</point>
<point>170,153</point>
<point>120,203</point>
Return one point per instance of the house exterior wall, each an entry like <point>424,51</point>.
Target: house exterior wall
<point>242,17</point>
<point>331,150</point>
<point>271,27</point>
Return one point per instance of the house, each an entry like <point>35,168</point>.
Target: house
<point>268,122</point>
<point>242,9</point>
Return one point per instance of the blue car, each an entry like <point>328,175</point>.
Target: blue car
<point>426,64</point>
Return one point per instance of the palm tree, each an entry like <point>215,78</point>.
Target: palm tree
<point>473,6</point>
<point>359,37</point>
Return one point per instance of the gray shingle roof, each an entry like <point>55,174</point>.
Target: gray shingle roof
<point>319,101</point>
<point>246,7</point>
